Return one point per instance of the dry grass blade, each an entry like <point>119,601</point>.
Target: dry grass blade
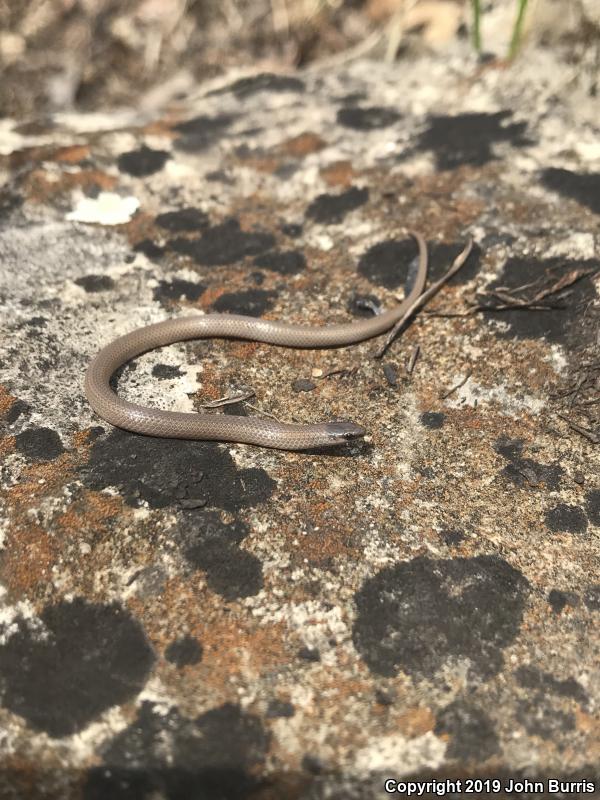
<point>227,401</point>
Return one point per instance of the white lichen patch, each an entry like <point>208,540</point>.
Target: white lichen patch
<point>399,756</point>
<point>576,245</point>
<point>473,394</point>
<point>109,208</point>
<point>11,615</point>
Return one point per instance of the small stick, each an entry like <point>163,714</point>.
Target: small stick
<point>425,297</point>
<point>263,412</point>
<point>594,438</point>
<point>462,382</point>
<point>227,401</point>
<point>413,360</point>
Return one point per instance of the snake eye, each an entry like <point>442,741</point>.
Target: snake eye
<point>344,431</point>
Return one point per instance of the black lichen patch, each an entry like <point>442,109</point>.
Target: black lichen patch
<point>142,162</point>
<point>224,244</point>
<point>388,263</point>
<point>591,597</point>
<point>185,219</point>
<point>558,600</point>
<point>91,657</point>
<point>215,755</point>
<point>391,374</point>
<point>291,229</point>
<point>150,249</point>
<point>95,283</point>
<point>469,138</point>
<point>564,518</point>
<point>265,82</point>
<point>525,472</point>
<point>367,119</point>
<point>9,202</point>
<point>201,132</point>
<point>434,420</point>
<point>452,537</point>
<point>177,289</point>
<point>213,546</point>
<point>532,678</point>
<point>592,506</point>
<point>279,709</point>
<point>285,262</point>
<point>39,444</point>
<point>162,471</point>
<point>510,449</point>
<point>166,372</point>
<point>472,734</point>
<point>416,615</point>
<point>251,302</point>
<point>441,256</point>
<point>583,187</point>
<point>540,717</point>
<point>391,263</point>
<point>16,410</point>
<point>303,385</point>
<point>309,654</point>
<point>332,208</point>
<point>556,323</point>
<point>184,652</point>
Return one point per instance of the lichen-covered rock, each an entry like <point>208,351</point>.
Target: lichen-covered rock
<point>193,619</point>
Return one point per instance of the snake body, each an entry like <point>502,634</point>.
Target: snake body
<point>223,427</point>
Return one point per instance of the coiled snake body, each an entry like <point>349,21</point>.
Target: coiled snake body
<point>223,427</point>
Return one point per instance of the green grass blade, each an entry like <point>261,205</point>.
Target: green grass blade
<point>476,32</point>
<point>517,30</point>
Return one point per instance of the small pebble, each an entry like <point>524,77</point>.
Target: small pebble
<point>303,385</point>
<point>193,502</point>
<point>309,654</point>
<point>385,697</point>
<point>317,373</point>
<point>391,374</point>
<point>579,478</point>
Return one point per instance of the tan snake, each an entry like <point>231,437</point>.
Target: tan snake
<point>222,427</point>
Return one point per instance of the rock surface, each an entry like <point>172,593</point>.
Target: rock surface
<point>188,619</point>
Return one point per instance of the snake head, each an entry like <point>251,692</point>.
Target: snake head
<point>340,432</point>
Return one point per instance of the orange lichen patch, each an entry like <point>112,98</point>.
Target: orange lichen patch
<point>231,648</point>
<point>39,480</point>
<point>328,539</point>
<point>6,400</point>
<point>590,726</point>
<point>302,145</point>
<point>7,445</point>
<point>41,185</point>
<point>29,556</point>
<point>339,173</point>
<point>182,598</point>
<point>92,511</point>
<point>161,127</point>
<point>262,163</point>
<point>243,350</point>
<point>336,687</point>
<point>71,155</point>
<point>210,295</point>
<point>82,438</point>
<point>140,227</point>
<point>415,721</point>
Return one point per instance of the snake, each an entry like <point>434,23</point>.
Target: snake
<point>261,431</point>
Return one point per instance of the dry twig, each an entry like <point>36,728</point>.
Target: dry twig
<point>425,297</point>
